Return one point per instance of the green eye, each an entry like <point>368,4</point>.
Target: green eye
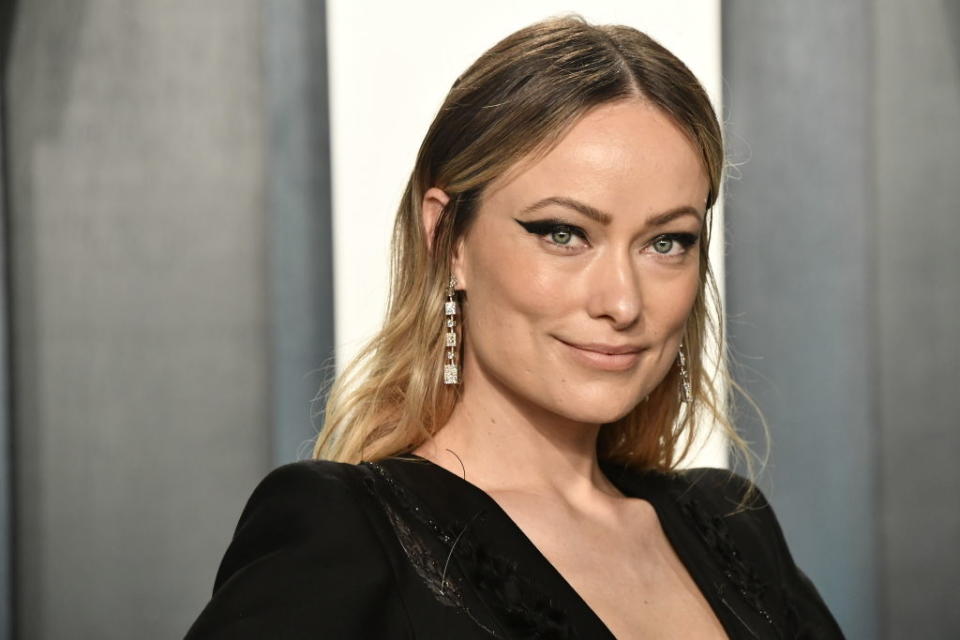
<point>561,235</point>
<point>663,245</point>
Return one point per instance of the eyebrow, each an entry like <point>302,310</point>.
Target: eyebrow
<point>605,218</point>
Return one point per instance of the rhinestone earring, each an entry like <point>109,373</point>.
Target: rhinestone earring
<point>451,374</point>
<point>686,389</point>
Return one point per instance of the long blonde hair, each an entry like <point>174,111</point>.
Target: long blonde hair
<point>517,100</point>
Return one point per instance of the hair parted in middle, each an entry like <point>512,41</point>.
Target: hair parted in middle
<point>516,102</point>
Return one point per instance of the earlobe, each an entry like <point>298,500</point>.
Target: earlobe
<point>434,200</point>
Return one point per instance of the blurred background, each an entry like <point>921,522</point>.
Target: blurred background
<point>196,206</point>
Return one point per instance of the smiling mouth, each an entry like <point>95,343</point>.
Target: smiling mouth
<point>604,357</point>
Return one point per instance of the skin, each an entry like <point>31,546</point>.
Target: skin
<point>532,403</point>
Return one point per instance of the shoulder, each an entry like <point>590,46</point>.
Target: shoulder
<point>304,559</point>
<point>292,504</point>
<point>306,490</point>
<point>297,507</point>
<point>730,508</point>
<point>734,518</point>
<point>306,479</point>
<point>722,487</point>
<point>731,512</point>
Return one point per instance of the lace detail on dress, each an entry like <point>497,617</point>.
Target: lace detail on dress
<point>425,563</point>
<point>524,609</point>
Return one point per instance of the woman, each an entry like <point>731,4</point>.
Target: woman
<point>501,460</point>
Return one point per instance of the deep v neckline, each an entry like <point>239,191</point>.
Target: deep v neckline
<point>633,484</point>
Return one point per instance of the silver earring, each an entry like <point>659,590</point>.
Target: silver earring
<point>686,389</point>
<point>451,374</point>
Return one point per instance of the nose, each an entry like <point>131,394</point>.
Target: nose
<point>615,290</point>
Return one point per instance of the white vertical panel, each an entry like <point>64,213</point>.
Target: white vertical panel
<point>391,64</point>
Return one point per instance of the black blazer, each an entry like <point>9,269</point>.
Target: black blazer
<point>403,548</point>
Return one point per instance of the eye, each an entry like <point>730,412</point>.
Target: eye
<point>673,244</point>
<point>556,233</point>
<point>561,235</point>
<point>663,244</point>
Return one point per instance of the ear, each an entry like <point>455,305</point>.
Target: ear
<point>434,200</point>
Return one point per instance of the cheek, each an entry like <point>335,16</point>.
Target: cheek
<point>510,292</point>
<point>669,301</point>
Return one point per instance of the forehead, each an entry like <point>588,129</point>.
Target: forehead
<point>625,158</point>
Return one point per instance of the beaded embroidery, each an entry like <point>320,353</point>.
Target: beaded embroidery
<point>713,530</point>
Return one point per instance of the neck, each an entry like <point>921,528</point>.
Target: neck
<point>505,443</point>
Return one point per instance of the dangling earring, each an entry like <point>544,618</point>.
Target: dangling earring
<point>686,389</point>
<point>450,372</point>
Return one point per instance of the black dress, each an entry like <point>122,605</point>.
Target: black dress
<point>403,548</point>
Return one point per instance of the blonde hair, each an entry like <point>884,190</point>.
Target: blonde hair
<point>516,101</point>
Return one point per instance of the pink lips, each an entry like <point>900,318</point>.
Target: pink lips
<point>605,356</point>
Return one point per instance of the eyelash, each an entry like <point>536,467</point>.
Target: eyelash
<point>544,228</point>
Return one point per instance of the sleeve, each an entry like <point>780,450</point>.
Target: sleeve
<point>752,521</point>
<point>304,562</point>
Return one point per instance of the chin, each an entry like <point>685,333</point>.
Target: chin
<point>602,409</point>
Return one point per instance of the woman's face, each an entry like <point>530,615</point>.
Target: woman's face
<point>580,269</point>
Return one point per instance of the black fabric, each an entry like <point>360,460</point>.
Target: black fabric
<point>403,548</point>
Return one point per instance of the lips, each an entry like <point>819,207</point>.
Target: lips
<point>606,357</point>
<point>608,349</point>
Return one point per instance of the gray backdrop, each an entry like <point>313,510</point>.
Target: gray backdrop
<point>169,200</point>
<point>843,295</point>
